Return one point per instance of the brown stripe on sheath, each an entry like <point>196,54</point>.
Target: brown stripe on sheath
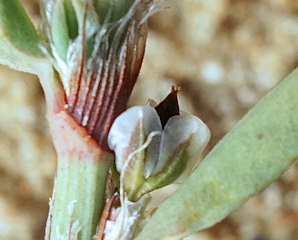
<point>126,73</point>
<point>100,92</point>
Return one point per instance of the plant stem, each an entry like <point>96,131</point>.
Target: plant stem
<point>78,198</point>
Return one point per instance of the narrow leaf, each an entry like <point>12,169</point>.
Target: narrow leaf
<point>16,26</point>
<point>19,41</point>
<point>71,19</point>
<point>59,28</point>
<point>18,60</point>
<point>256,152</point>
<point>116,9</point>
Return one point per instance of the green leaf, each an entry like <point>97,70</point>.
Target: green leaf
<point>16,27</point>
<point>256,152</point>
<point>59,28</point>
<point>19,42</point>
<point>71,19</point>
<point>18,60</point>
<point>116,8</point>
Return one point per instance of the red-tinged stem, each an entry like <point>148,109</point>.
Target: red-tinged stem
<point>80,183</point>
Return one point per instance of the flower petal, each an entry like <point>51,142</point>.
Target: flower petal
<point>130,130</point>
<point>129,137</point>
<point>178,130</point>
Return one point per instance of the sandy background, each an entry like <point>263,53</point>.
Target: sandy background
<point>225,54</point>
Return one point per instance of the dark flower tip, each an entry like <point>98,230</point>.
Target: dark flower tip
<point>169,107</point>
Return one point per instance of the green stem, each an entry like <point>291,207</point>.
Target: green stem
<point>78,199</point>
<point>80,184</point>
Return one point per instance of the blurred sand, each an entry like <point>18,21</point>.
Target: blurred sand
<point>224,54</point>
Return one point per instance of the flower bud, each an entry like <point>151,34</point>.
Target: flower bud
<point>130,135</point>
<point>149,156</point>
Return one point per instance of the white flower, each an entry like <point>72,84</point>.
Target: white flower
<point>149,156</point>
